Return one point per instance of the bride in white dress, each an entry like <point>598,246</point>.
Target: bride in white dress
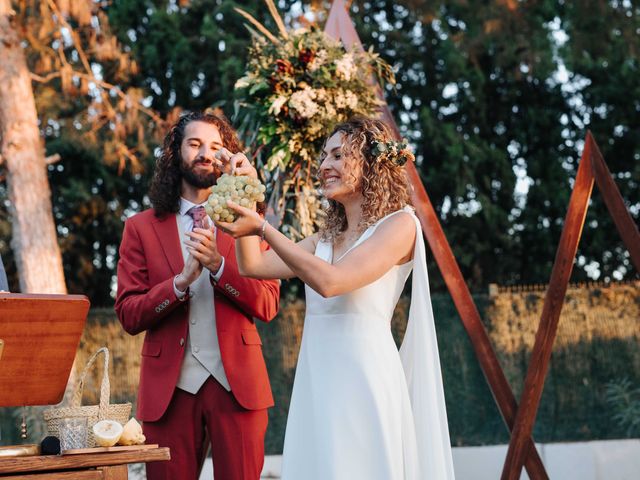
<point>360,409</point>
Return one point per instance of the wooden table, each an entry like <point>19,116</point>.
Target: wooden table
<point>89,466</point>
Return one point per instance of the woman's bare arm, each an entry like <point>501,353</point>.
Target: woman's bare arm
<point>392,242</point>
<point>254,263</point>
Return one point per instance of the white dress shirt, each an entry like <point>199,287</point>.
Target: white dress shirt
<point>202,357</point>
<point>186,224</point>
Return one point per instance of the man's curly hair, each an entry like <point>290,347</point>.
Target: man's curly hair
<point>384,184</point>
<point>164,191</point>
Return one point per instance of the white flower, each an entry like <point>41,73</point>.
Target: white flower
<point>277,104</point>
<point>351,99</point>
<point>244,82</point>
<point>346,99</point>
<point>319,60</point>
<point>321,94</point>
<point>345,67</point>
<point>302,102</point>
<point>276,159</point>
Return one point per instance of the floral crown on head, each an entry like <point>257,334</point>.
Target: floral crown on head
<point>395,151</point>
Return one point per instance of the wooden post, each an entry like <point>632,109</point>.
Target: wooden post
<point>592,169</point>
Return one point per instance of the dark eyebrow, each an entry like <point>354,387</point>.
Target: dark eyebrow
<point>332,150</point>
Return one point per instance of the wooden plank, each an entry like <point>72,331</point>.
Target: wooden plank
<point>73,475</point>
<point>615,203</point>
<point>67,462</point>
<point>82,451</point>
<point>339,25</point>
<point>119,472</point>
<point>553,302</point>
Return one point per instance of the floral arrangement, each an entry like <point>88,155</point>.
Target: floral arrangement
<point>297,86</point>
<point>397,152</point>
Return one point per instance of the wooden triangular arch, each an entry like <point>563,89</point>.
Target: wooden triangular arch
<point>592,169</point>
<point>519,421</point>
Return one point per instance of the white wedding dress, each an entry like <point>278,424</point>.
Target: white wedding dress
<point>361,410</point>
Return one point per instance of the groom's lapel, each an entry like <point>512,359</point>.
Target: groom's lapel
<point>166,229</point>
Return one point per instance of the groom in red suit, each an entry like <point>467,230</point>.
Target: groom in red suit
<point>203,374</point>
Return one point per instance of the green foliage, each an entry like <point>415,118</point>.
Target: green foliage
<point>496,98</point>
<point>481,94</point>
<point>190,56</point>
<point>295,90</point>
<point>90,203</point>
<point>624,400</point>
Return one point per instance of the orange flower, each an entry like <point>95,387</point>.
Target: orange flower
<point>284,66</point>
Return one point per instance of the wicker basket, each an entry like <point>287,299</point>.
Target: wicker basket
<point>94,413</point>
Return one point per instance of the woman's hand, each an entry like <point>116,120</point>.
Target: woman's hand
<point>234,163</point>
<point>247,223</point>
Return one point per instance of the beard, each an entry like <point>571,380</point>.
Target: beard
<point>198,180</point>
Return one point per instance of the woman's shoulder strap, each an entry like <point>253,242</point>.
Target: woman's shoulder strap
<point>406,209</point>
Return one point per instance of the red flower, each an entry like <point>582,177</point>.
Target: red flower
<point>284,66</point>
<point>306,56</point>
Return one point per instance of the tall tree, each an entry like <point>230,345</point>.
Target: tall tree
<point>191,52</point>
<point>601,49</point>
<point>22,152</point>
<point>80,75</point>
<point>497,97</point>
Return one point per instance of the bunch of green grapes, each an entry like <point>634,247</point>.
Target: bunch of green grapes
<point>243,190</point>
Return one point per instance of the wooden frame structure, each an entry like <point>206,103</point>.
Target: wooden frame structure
<point>519,421</point>
<point>592,169</point>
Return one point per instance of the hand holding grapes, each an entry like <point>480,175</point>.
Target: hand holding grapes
<point>234,163</point>
<point>233,199</point>
<point>247,222</point>
<point>244,191</point>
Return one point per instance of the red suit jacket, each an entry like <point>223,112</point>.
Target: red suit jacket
<point>150,258</point>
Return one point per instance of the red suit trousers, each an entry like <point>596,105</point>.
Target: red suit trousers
<point>237,436</point>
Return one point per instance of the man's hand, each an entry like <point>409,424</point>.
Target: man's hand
<point>234,163</point>
<point>190,273</point>
<point>202,246</point>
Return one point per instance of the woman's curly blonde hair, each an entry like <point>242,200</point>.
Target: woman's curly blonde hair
<point>384,183</point>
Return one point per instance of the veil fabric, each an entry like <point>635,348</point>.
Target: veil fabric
<point>421,363</point>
